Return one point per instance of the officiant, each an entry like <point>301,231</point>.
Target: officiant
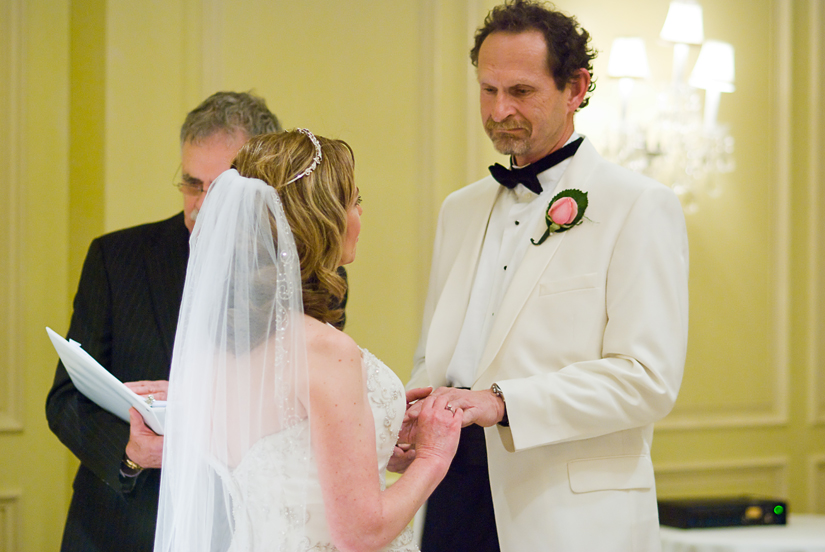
<point>125,316</point>
<point>556,316</point>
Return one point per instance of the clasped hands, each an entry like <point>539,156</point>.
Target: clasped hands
<point>471,407</point>
<point>145,447</point>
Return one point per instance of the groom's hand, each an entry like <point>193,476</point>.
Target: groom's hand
<point>479,407</point>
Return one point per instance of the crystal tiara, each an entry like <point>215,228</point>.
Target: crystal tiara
<point>315,160</point>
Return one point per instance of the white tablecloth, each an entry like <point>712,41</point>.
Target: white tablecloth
<point>803,533</point>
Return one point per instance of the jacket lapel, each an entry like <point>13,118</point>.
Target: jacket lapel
<point>535,261</point>
<point>455,295</point>
<point>166,256</point>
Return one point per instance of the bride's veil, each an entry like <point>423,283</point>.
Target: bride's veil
<point>238,379</point>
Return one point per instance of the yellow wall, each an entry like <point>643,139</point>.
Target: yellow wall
<point>108,82</point>
<point>34,219</point>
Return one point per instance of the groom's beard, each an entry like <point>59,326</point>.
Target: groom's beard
<point>508,143</point>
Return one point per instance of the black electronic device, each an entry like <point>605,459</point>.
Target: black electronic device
<point>722,512</point>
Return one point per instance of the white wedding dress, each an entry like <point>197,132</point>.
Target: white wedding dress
<point>238,467</point>
<point>264,522</point>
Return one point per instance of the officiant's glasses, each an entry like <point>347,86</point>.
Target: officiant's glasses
<point>190,188</point>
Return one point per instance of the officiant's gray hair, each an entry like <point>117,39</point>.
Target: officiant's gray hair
<point>229,113</point>
<point>567,42</point>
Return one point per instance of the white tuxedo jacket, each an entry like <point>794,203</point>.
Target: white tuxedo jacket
<point>589,349</point>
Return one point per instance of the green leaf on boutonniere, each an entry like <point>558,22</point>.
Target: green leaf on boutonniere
<point>567,212</point>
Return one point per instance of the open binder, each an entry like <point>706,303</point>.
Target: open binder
<point>100,386</point>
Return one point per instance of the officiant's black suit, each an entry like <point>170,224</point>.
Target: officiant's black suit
<point>125,316</point>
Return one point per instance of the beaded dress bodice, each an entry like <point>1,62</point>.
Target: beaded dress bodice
<point>269,485</point>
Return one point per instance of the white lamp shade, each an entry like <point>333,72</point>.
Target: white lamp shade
<point>684,23</point>
<point>714,67</point>
<point>628,58</point>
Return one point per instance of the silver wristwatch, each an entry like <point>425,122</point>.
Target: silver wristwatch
<point>500,394</point>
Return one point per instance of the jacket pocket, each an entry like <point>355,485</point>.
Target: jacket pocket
<point>610,473</point>
<point>582,281</point>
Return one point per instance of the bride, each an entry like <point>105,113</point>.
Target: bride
<point>279,427</point>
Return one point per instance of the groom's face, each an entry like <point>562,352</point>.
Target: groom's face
<point>523,111</point>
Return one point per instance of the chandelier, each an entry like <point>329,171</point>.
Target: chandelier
<point>683,145</point>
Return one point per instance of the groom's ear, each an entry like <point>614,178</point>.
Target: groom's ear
<point>578,87</point>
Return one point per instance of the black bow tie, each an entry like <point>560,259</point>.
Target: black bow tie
<point>528,176</point>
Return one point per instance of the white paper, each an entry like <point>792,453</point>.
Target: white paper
<point>100,386</point>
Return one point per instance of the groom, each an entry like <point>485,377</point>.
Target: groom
<point>556,317</point>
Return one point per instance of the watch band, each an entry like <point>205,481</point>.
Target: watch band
<point>128,468</point>
<point>505,421</point>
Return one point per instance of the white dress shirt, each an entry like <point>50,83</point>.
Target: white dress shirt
<point>505,243</point>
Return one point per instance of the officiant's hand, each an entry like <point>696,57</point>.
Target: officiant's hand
<point>157,389</point>
<point>145,447</point>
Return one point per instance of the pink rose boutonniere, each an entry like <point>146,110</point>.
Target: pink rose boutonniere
<point>565,211</point>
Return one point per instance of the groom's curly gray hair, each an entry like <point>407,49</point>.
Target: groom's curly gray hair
<point>567,42</point>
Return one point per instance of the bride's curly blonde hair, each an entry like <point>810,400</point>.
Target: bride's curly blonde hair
<point>315,205</point>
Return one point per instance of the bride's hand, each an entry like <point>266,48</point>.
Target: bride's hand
<point>436,430</point>
<point>402,456</point>
<point>414,397</point>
